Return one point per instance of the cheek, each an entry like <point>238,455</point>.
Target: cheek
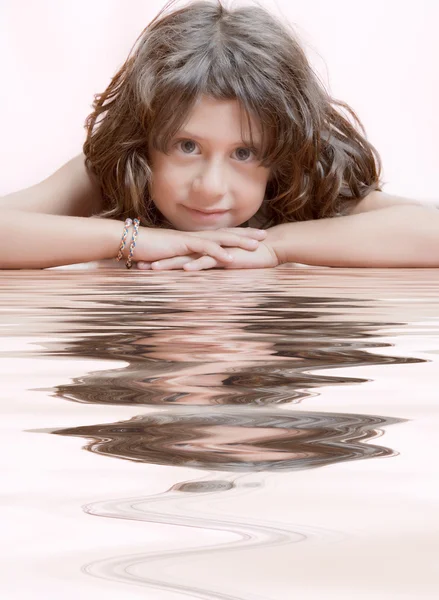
<point>257,181</point>
<point>255,191</point>
<point>166,183</point>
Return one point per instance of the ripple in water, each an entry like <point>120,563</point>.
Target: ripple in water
<point>221,341</point>
<point>218,440</point>
<point>144,568</point>
<point>238,441</point>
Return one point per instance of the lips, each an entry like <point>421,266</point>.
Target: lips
<point>211,212</point>
<point>200,216</point>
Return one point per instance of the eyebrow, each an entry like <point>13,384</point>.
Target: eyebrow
<point>187,133</point>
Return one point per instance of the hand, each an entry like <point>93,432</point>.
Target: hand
<point>161,244</point>
<point>262,257</point>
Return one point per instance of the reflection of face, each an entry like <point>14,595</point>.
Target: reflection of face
<point>209,168</point>
<point>231,440</point>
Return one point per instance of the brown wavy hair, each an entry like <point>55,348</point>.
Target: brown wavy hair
<point>320,161</point>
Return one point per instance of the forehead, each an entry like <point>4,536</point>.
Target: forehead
<point>223,119</point>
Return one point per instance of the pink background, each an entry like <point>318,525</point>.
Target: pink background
<point>380,57</point>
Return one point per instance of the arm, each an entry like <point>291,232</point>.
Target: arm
<point>36,241</point>
<point>45,225</point>
<point>396,236</point>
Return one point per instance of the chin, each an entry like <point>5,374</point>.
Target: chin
<point>198,227</point>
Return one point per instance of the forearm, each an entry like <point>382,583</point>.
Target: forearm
<point>36,241</point>
<point>398,236</point>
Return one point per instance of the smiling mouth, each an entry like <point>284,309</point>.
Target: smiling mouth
<point>209,212</point>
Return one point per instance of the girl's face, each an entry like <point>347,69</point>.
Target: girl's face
<point>210,178</point>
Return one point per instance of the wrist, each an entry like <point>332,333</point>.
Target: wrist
<point>129,239</point>
<point>276,239</point>
<point>122,236</point>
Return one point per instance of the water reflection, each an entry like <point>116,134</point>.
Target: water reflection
<point>255,348</point>
<point>220,359</point>
<point>210,339</point>
<point>236,441</point>
<point>237,350</point>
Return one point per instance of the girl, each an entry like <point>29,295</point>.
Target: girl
<point>217,139</point>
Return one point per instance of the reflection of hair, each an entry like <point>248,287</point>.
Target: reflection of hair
<point>184,439</point>
<point>318,160</point>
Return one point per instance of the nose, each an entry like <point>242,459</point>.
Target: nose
<point>210,183</point>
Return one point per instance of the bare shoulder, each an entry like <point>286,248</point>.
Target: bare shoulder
<point>71,190</point>
<point>377,200</point>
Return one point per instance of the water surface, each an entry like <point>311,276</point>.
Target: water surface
<point>224,434</point>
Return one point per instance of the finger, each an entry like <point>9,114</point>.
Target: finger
<point>209,248</point>
<point>257,234</point>
<point>231,239</point>
<point>143,266</point>
<point>204,262</point>
<point>241,232</point>
<point>238,241</point>
<point>167,264</point>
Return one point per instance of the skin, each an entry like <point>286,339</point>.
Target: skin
<point>209,167</point>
